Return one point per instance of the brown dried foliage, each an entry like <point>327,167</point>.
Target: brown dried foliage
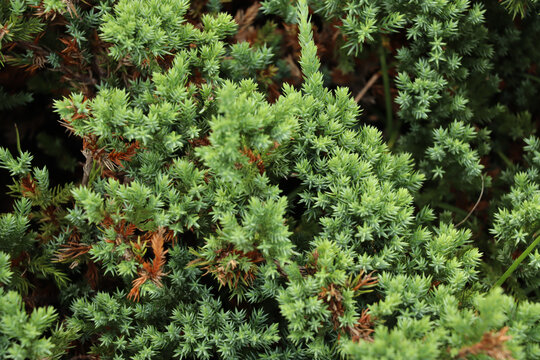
<point>254,159</point>
<point>311,267</point>
<point>226,270</point>
<point>118,156</point>
<point>199,142</point>
<point>51,15</point>
<point>363,328</point>
<point>124,230</point>
<point>88,142</point>
<point>333,297</point>
<point>245,19</point>
<point>326,38</point>
<point>108,161</point>
<point>28,186</point>
<point>71,53</point>
<point>38,60</point>
<point>75,68</point>
<point>3,31</point>
<point>364,281</point>
<point>492,344</point>
<point>151,271</point>
<point>72,250</point>
<point>92,274</point>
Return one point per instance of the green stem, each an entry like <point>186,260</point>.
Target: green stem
<point>393,137</point>
<point>18,139</point>
<point>505,158</point>
<point>386,84</point>
<point>452,208</point>
<point>518,261</point>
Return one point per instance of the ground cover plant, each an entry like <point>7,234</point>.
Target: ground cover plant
<point>319,179</point>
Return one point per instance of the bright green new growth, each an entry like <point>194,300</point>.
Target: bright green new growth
<point>21,334</point>
<point>145,29</point>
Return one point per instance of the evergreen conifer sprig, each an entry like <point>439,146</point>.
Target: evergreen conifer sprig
<point>520,7</point>
<point>439,71</point>
<point>516,221</point>
<point>38,216</point>
<point>234,203</point>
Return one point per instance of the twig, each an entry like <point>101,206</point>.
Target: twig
<point>87,168</point>
<point>475,205</point>
<point>366,87</point>
<point>280,270</point>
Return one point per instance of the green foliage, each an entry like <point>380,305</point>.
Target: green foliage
<point>458,333</point>
<point>22,334</point>
<point>38,215</point>
<point>9,101</point>
<point>180,321</point>
<point>516,53</point>
<point>441,71</point>
<point>219,217</point>
<point>15,25</point>
<point>145,29</point>
<point>5,272</point>
<point>520,7</point>
<point>517,220</point>
<point>19,166</point>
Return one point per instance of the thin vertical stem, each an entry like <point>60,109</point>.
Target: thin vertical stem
<point>505,158</point>
<point>18,139</point>
<point>518,261</point>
